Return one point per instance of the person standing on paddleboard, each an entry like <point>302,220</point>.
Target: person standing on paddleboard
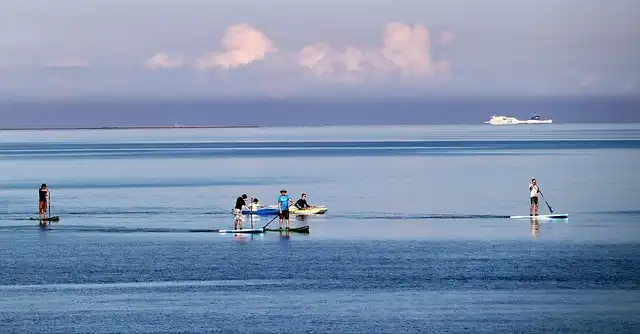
<point>283,203</point>
<point>43,200</point>
<point>237,211</point>
<point>533,200</point>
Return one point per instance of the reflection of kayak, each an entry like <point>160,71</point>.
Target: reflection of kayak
<point>316,210</point>
<point>302,229</point>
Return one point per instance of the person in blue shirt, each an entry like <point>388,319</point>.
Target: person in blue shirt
<point>284,201</point>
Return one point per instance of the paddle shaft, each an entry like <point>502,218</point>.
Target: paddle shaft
<point>545,202</point>
<point>251,211</point>
<point>271,221</point>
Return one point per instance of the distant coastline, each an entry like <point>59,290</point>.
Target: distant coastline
<point>132,127</point>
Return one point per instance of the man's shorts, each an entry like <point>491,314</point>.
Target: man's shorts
<point>284,214</point>
<point>534,200</point>
<point>237,214</point>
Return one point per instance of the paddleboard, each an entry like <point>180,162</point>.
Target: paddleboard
<point>551,216</point>
<point>50,219</point>
<point>245,230</point>
<point>302,229</point>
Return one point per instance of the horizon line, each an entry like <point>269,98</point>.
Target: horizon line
<point>166,127</point>
<point>145,99</point>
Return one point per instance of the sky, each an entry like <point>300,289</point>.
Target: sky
<point>175,49</point>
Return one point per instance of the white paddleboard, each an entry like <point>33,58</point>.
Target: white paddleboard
<point>551,216</point>
<point>244,230</point>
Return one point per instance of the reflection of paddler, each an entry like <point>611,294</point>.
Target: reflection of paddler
<point>285,235</point>
<point>238,237</point>
<point>535,227</point>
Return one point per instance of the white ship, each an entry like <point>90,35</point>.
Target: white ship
<point>506,120</point>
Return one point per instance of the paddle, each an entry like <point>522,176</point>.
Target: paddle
<point>271,221</point>
<point>545,202</point>
<point>251,211</point>
<point>49,209</point>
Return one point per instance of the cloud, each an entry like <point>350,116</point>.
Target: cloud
<point>405,49</point>
<point>589,81</point>
<point>68,63</point>
<point>408,49</point>
<point>316,58</point>
<point>446,37</point>
<point>163,61</point>
<point>244,44</point>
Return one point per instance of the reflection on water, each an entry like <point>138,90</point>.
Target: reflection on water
<point>397,248</point>
<point>301,218</point>
<point>535,227</point>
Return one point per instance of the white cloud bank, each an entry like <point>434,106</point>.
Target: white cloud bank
<point>244,44</point>
<point>163,61</point>
<point>404,49</point>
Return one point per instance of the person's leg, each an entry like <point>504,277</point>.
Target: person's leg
<point>287,217</point>
<point>531,206</point>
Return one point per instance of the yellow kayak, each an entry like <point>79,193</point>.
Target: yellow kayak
<point>316,210</point>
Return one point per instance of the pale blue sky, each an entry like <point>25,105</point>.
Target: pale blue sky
<point>74,48</point>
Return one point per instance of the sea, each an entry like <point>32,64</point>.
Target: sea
<point>417,237</point>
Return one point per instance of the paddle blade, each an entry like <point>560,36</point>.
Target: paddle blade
<point>545,202</point>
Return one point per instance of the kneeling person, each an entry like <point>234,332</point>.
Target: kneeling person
<point>302,202</point>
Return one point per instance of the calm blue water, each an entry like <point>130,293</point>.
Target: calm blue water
<point>415,239</point>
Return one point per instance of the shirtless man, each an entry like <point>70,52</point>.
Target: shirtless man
<point>533,197</point>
